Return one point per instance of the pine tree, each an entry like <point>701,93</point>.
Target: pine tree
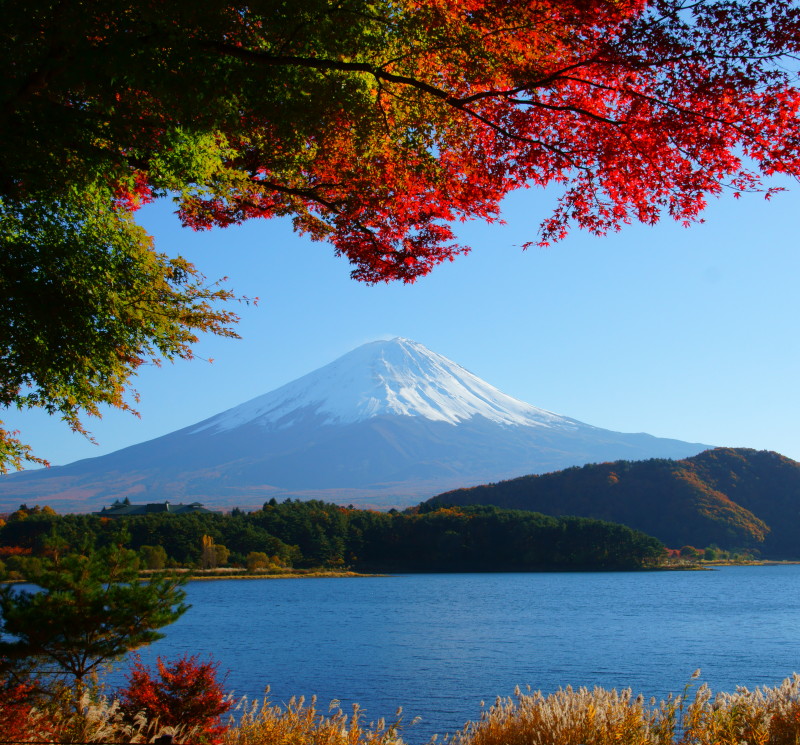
<point>91,610</point>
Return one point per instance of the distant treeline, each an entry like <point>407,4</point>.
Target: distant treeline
<point>316,534</point>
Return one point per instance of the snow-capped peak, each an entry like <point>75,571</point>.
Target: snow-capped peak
<point>398,377</point>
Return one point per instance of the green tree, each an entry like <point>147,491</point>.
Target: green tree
<point>222,554</point>
<point>91,610</point>
<point>84,302</point>
<point>153,557</point>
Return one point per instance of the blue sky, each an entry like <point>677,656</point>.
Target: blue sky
<point>684,333</point>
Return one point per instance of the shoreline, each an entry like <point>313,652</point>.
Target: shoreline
<point>205,575</point>
<point>288,575</point>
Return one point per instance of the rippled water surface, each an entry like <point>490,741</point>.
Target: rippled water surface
<point>438,645</point>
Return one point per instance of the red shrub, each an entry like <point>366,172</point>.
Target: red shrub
<point>184,693</point>
<point>18,719</point>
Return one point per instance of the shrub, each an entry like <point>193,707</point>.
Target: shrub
<point>184,693</point>
<point>153,557</point>
<point>257,560</point>
<point>19,717</point>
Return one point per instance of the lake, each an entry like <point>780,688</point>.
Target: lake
<point>438,644</point>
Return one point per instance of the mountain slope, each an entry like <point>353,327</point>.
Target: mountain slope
<point>387,424</point>
<point>734,497</point>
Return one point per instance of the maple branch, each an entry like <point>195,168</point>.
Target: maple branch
<point>574,109</point>
<point>544,82</point>
<point>505,132</point>
<point>314,197</point>
<point>519,138</point>
<point>315,63</point>
<point>309,193</point>
<point>380,74</point>
<point>665,104</point>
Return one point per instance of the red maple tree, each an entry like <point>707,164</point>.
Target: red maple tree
<point>635,108</point>
<point>20,720</point>
<point>182,693</point>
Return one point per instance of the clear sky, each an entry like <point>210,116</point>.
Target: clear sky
<point>684,333</point>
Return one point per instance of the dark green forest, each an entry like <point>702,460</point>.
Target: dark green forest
<point>306,534</point>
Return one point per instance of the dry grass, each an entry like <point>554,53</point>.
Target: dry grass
<point>764,716</point>
<point>89,719</point>
<point>567,717</point>
<point>303,724</point>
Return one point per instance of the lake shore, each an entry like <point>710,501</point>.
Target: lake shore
<point>210,574</point>
<point>238,573</point>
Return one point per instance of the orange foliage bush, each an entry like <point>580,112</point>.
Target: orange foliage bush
<point>19,719</point>
<point>184,693</point>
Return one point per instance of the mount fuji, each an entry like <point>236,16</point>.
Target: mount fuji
<point>388,424</point>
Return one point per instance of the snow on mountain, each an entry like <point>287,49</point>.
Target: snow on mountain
<point>398,377</point>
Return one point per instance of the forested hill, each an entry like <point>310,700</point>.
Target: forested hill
<point>731,497</point>
<point>317,534</point>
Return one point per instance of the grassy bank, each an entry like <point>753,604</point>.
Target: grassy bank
<point>209,574</point>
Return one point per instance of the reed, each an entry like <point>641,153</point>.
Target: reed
<point>567,717</point>
<point>764,716</point>
<point>301,723</point>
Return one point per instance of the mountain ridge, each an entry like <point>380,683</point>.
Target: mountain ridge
<point>731,497</point>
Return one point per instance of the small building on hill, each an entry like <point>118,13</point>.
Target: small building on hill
<point>126,509</point>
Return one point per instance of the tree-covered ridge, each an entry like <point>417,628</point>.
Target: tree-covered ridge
<point>313,534</point>
<point>731,497</point>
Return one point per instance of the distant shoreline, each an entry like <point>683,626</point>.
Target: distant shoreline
<point>212,574</point>
<point>205,575</point>
<point>288,575</point>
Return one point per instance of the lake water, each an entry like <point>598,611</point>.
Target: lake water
<point>438,645</point>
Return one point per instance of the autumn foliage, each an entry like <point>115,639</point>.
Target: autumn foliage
<point>19,717</point>
<point>442,108</point>
<point>182,693</point>
<point>377,124</point>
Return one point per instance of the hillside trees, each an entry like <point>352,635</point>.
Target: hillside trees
<point>736,498</point>
<point>373,124</point>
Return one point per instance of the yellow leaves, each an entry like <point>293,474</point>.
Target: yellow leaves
<point>14,453</point>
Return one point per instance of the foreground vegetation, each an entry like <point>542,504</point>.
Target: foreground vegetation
<point>184,699</point>
<point>317,534</point>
